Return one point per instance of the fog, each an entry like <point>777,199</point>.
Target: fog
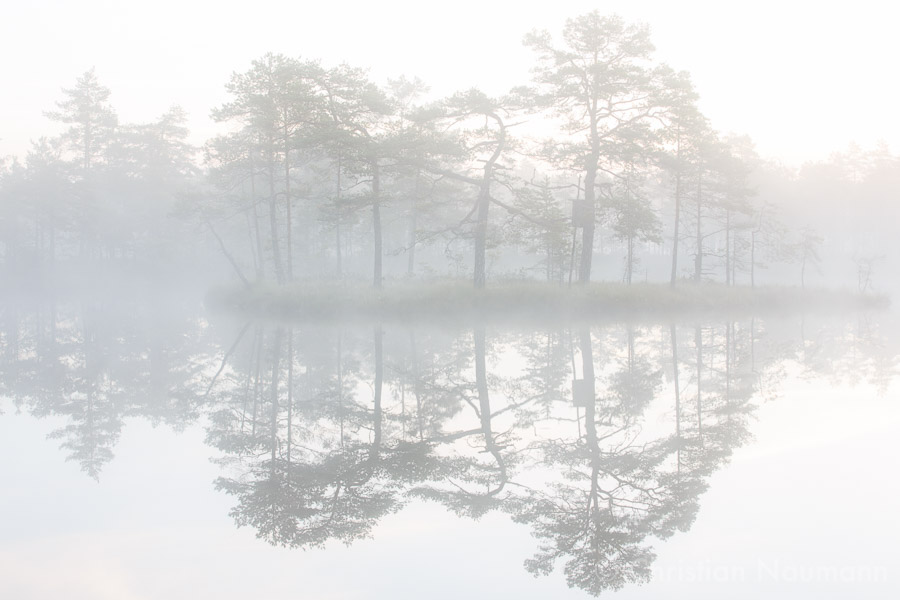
<point>551,302</point>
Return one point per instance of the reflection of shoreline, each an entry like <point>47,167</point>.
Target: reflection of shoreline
<point>533,303</point>
<point>707,571</point>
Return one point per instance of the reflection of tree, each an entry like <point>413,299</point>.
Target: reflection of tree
<point>634,385</point>
<point>322,432</point>
<point>849,352</point>
<point>336,481</point>
<point>477,480</point>
<point>597,514</point>
<point>94,364</point>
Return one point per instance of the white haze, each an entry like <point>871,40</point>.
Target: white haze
<point>803,79</point>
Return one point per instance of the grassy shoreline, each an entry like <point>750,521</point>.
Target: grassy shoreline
<point>525,300</point>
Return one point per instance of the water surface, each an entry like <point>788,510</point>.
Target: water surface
<point>153,449</point>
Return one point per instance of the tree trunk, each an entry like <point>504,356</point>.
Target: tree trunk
<point>87,145</point>
<point>261,270</point>
<point>587,235</point>
<point>728,247</point>
<point>630,259</point>
<point>676,233</point>
<point>287,201</point>
<point>413,226</point>
<point>549,259</point>
<point>273,220</point>
<point>338,216</point>
<point>376,221</point>
<point>253,253</point>
<point>803,273</point>
<point>698,259</point>
<point>484,202</point>
<point>752,259</point>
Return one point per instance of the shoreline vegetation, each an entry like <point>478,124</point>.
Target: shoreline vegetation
<point>515,300</point>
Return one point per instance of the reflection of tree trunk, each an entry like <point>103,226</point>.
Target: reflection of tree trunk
<point>379,378</point>
<point>273,393</point>
<point>698,342</point>
<point>290,393</point>
<point>729,340</point>
<point>677,393</point>
<point>590,418</point>
<point>587,370</point>
<point>340,386</point>
<point>484,402</point>
<point>258,382</point>
<point>53,318</point>
<point>630,334</point>
<point>753,344</point>
<point>257,334</point>
<point>273,428</point>
<point>12,334</point>
<point>484,407</point>
<point>225,358</point>
<point>417,383</point>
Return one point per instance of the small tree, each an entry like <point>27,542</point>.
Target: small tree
<point>806,251</point>
<point>86,108</point>
<point>547,234</point>
<point>633,219</point>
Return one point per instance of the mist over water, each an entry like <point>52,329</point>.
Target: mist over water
<point>368,340</point>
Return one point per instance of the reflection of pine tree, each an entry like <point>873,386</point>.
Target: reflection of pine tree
<point>616,490</point>
<point>477,482</point>
<point>852,352</point>
<point>94,365</point>
<point>545,375</point>
<point>329,474</point>
<point>595,516</point>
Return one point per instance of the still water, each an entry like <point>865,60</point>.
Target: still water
<point>155,450</point>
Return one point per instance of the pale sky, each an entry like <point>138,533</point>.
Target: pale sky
<point>803,79</point>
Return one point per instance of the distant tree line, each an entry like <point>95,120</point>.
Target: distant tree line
<point>323,174</point>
